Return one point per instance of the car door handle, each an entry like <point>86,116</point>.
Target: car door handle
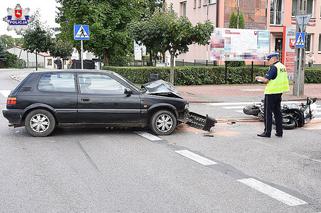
<point>85,99</point>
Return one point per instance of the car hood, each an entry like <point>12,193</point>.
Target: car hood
<point>162,88</point>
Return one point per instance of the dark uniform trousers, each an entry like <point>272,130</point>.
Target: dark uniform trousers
<point>272,103</point>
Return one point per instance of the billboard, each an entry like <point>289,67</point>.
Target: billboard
<point>239,44</point>
<point>289,50</point>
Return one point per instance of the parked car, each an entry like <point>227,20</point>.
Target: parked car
<point>44,100</point>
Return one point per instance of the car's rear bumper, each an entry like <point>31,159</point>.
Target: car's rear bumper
<point>14,116</point>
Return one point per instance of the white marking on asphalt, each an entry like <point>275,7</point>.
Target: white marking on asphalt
<point>196,157</point>
<point>272,192</point>
<point>5,93</point>
<point>234,107</point>
<point>149,136</point>
<point>247,103</point>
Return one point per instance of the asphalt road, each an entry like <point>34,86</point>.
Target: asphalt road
<point>100,170</point>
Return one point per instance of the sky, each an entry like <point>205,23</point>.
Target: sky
<point>47,9</point>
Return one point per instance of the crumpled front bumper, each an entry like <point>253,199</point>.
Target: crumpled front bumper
<point>196,120</point>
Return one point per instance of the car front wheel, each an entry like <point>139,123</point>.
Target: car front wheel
<point>163,122</point>
<point>40,123</point>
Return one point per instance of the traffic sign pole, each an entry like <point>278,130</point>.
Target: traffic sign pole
<point>81,54</point>
<point>302,20</point>
<point>81,32</point>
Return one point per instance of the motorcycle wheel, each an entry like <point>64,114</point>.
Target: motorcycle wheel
<point>289,122</point>
<point>251,110</point>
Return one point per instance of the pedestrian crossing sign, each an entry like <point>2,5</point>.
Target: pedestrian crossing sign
<point>300,40</point>
<point>81,32</point>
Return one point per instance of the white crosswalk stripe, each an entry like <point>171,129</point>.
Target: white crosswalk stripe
<point>5,93</point>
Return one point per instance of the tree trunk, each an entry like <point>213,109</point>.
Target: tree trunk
<point>172,71</point>
<point>36,60</point>
<point>150,58</point>
<point>106,57</point>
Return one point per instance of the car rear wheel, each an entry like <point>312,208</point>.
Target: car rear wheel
<point>40,123</point>
<point>163,122</point>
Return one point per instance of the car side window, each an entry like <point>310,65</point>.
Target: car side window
<point>99,84</point>
<point>57,82</point>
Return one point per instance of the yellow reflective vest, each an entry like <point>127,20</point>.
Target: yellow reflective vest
<point>281,83</point>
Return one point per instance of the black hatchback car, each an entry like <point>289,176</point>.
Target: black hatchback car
<point>44,100</point>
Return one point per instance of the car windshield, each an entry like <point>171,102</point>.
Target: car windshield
<point>129,82</point>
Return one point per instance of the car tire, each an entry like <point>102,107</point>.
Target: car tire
<point>40,123</point>
<point>163,122</point>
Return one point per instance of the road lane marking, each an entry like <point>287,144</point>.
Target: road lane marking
<point>234,107</point>
<point>196,157</point>
<point>148,136</point>
<point>248,103</point>
<point>5,93</point>
<point>272,192</point>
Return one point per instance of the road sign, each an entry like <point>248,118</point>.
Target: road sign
<point>300,40</point>
<point>302,20</point>
<point>81,32</point>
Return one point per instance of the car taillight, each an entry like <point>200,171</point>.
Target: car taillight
<point>11,101</point>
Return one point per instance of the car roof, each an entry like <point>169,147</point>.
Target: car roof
<point>74,71</point>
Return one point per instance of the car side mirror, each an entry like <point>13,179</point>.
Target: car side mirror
<point>128,92</point>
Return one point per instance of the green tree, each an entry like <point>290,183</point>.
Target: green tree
<point>165,31</point>
<point>9,60</point>
<point>37,39</point>
<point>9,41</point>
<point>236,21</point>
<point>61,48</point>
<point>108,21</point>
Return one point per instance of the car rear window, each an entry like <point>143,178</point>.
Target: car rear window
<point>57,82</point>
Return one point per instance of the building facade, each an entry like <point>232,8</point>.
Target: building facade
<point>273,15</point>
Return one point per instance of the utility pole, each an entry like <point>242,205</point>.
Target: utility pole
<point>298,87</point>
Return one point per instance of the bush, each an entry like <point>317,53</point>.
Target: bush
<point>312,75</point>
<point>8,60</point>
<point>204,75</point>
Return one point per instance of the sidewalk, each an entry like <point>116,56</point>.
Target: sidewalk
<point>239,93</point>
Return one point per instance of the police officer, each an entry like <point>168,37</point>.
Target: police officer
<point>277,83</point>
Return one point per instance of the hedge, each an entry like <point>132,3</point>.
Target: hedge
<point>203,75</point>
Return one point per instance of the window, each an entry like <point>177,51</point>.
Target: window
<point>183,8</point>
<point>319,49</point>
<point>195,3</point>
<point>309,7</point>
<point>99,84</point>
<point>199,3</point>
<point>211,1</point>
<point>57,82</point>
<point>307,42</point>
<point>294,2</point>
<point>49,62</point>
<point>276,12</point>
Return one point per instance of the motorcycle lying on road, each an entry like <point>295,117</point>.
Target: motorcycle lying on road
<point>293,116</point>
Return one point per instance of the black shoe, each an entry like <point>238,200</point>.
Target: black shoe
<point>278,135</point>
<point>264,135</point>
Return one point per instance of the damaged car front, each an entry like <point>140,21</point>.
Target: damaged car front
<point>166,89</point>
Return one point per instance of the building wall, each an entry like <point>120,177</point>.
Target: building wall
<point>257,16</point>
<point>313,28</point>
<point>254,12</point>
<point>197,11</point>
